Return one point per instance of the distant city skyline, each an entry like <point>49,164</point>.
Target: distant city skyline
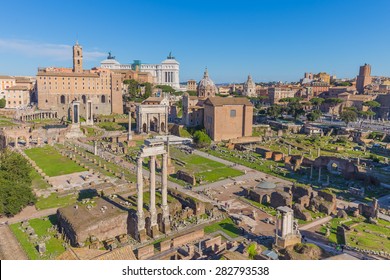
<point>271,40</point>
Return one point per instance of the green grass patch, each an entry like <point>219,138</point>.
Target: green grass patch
<point>226,225</point>
<point>37,181</point>
<point>112,126</point>
<point>55,201</point>
<point>203,168</point>
<point>52,162</point>
<point>41,227</point>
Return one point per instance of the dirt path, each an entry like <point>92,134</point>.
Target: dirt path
<point>10,248</point>
<point>28,213</point>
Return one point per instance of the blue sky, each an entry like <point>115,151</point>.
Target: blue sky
<point>270,39</point>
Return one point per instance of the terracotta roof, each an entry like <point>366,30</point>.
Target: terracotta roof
<point>6,77</point>
<point>221,101</point>
<point>123,253</point>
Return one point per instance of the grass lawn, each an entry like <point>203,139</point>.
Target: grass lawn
<point>52,162</point>
<point>54,200</point>
<point>226,225</point>
<point>37,181</point>
<point>112,126</point>
<point>368,236</point>
<point>41,227</point>
<point>6,122</point>
<point>362,235</point>
<point>203,168</point>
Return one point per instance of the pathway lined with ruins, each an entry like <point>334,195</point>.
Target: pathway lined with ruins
<point>316,223</point>
<point>29,212</point>
<point>10,248</point>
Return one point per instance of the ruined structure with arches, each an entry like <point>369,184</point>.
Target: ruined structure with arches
<point>152,118</point>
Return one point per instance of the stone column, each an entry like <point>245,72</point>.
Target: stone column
<point>166,227</point>
<point>289,149</point>
<point>152,207</point>
<point>311,171</point>
<point>95,148</point>
<point>319,175</point>
<point>129,136</point>
<point>140,202</point>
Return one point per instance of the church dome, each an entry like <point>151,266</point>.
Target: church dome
<point>206,86</point>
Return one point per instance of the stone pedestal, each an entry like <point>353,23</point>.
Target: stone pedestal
<point>142,235</point>
<point>154,232</point>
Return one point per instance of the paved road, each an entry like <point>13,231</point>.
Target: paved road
<point>30,212</point>
<point>10,248</point>
<point>316,223</point>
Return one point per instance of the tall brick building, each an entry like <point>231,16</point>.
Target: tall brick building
<point>58,87</point>
<point>228,118</point>
<point>364,77</point>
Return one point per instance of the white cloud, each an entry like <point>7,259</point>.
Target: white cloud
<point>53,51</point>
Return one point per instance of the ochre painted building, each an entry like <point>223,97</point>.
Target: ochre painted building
<point>58,87</point>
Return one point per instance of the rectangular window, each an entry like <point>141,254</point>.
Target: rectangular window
<point>232,113</point>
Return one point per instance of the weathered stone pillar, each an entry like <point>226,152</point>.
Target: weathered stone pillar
<point>166,227</point>
<point>311,171</point>
<point>319,175</point>
<point>140,202</point>
<point>95,148</point>
<point>129,136</point>
<point>152,207</point>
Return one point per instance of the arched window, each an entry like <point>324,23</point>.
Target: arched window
<point>62,99</point>
<point>103,99</point>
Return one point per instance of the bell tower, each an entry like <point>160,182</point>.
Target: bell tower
<point>77,58</point>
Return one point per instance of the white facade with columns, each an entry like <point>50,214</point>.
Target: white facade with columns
<point>165,73</point>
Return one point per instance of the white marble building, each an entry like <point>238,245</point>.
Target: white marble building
<point>165,73</point>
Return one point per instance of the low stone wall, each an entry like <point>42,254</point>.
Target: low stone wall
<point>145,252</point>
<point>188,238</point>
<point>186,177</point>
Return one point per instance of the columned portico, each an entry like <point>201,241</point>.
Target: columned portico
<point>153,229</point>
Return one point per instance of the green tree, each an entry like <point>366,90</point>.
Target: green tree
<point>192,92</point>
<point>348,116</point>
<point>291,99</point>
<point>15,183</point>
<point>333,101</point>
<point>166,88</point>
<point>133,88</point>
<point>317,101</point>
<point>314,115</point>
<point>366,114</point>
<point>201,139</point>
<point>372,104</point>
<point>148,89</point>
<point>295,109</point>
<point>274,110</point>
<point>2,103</point>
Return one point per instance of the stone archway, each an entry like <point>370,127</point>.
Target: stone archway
<point>154,124</point>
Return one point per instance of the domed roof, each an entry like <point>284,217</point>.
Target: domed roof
<point>206,81</point>
<point>250,81</point>
<point>266,185</point>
